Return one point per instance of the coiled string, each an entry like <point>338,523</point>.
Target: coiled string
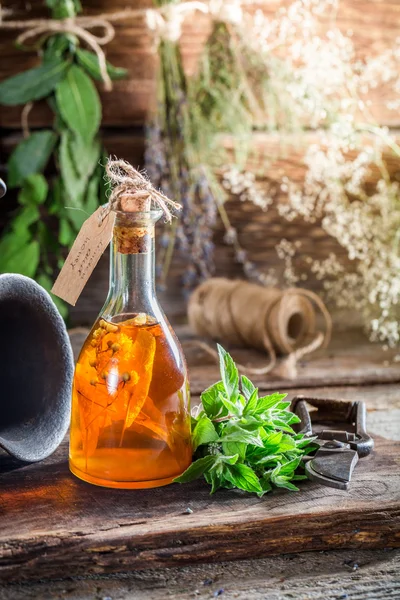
<point>279,322</point>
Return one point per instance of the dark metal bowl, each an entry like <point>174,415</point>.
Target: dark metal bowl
<point>36,370</point>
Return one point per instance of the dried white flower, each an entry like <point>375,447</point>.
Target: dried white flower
<point>243,184</point>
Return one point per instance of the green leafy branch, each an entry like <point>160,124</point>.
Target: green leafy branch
<point>243,440</point>
<point>50,214</point>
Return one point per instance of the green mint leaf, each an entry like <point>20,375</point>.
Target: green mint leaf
<point>73,182</point>
<point>211,401</point>
<point>283,482</point>
<point>64,9</point>
<point>267,402</point>
<point>92,200</point>
<point>19,254</point>
<point>66,234</point>
<point>231,448</point>
<point>287,443</point>
<point>289,467</point>
<point>233,408</point>
<point>302,441</point>
<point>308,449</point>
<point>33,84</point>
<point>251,403</point>
<point>285,416</point>
<point>265,486</point>
<point>242,400</point>
<point>34,190</point>
<point>214,479</point>
<point>273,440</point>
<point>234,433</point>
<point>197,469</point>
<point>243,477</point>
<point>229,460</point>
<point>25,218</point>
<point>56,47</point>
<point>299,477</point>
<point>85,155</point>
<point>249,424</point>
<point>270,458</point>
<point>229,374</point>
<point>204,432</point>
<point>247,387</point>
<point>30,156</point>
<point>78,103</point>
<point>55,204</point>
<point>292,454</point>
<point>275,472</point>
<point>90,62</point>
<point>279,424</point>
<point>283,405</point>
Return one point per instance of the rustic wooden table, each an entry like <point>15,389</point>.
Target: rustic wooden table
<point>61,538</point>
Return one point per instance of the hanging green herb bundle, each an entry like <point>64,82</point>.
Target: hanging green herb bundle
<point>245,441</point>
<point>184,152</point>
<point>51,213</point>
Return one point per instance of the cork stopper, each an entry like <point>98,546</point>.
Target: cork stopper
<point>133,194</point>
<point>131,236</point>
<point>138,201</point>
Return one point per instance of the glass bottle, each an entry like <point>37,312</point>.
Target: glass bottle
<point>130,424</point>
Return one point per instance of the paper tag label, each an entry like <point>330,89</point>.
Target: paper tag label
<point>91,241</point>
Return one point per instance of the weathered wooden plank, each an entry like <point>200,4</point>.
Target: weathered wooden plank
<point>374,26</point>
<point>349,360</point>
<point>360,575</point>
<point>357,362</point>
<point>50,519</point>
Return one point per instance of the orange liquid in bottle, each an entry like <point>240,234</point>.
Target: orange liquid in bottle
<point>130,424</point>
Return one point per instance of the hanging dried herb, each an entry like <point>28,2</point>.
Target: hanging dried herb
<point>184,150</point>
<point>50,213</point>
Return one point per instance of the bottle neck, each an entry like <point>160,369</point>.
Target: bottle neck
<point>132,284</point>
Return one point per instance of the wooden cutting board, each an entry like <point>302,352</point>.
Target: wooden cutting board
<point>53,525</point>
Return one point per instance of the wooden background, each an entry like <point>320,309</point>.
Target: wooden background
<point>375,25</point>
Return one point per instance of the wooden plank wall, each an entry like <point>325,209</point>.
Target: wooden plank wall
<point>375,25</point>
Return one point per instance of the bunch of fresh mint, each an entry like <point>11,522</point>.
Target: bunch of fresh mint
<point>244,441</point>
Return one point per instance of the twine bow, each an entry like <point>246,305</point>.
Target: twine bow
<point>166,22</point>
<point>227,11</point>
<point>76,26</point>
<point>127,182</point>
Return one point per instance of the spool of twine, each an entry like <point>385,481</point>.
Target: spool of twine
<point>279,322</point>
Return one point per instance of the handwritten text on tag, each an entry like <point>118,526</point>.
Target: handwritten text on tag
<point>92,239</point>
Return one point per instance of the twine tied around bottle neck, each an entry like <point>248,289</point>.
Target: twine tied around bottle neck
<point>132,191</point>
<point>279,322</point>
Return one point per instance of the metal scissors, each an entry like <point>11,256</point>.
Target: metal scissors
<point>339,450</point>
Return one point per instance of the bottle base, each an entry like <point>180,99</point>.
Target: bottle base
<point>122,485</point>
